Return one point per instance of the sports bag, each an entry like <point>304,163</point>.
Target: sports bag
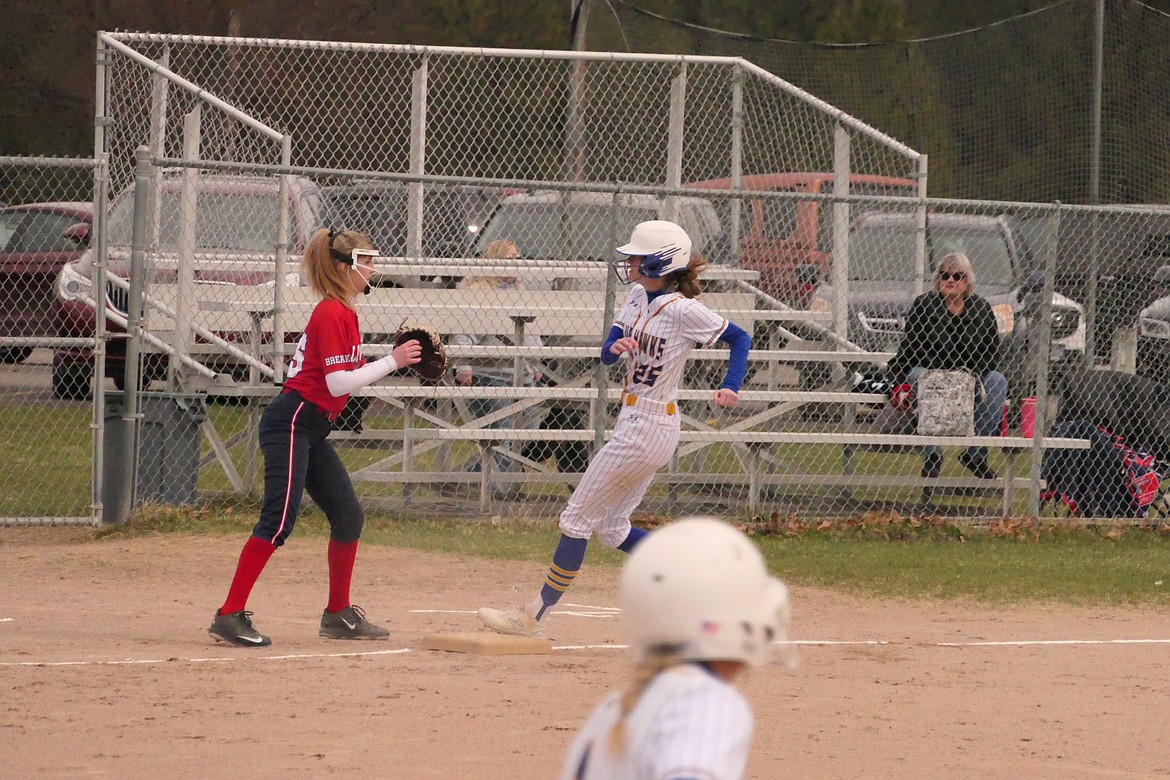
<point>946,403</point>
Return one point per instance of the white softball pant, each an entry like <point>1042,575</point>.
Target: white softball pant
<point>619,475</point>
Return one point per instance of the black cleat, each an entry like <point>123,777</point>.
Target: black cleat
<point>350,623</point>
<point>236,628</point>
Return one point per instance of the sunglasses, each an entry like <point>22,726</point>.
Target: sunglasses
<point>947,276</point>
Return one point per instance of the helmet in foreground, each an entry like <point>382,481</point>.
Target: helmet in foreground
<point>664,246</point>
<point>698,590</point>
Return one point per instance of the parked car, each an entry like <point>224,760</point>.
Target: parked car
<point>452,216</point>
<point>781,238</point>
<point>1153,358</point>
<point>1125,244</point>
<point>36,240</point>
<point>882,278</point>
<point>238,224</point>
<point>580,226</point>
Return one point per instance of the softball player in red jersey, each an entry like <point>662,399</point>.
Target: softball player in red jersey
<point>326,368</point>
<point>657,329</point>
<point>697,607</point>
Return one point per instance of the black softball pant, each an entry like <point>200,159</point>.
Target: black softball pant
<point>298,458</point>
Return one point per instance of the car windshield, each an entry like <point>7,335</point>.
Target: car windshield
<point>244,222</point>
<point>543,230</point>
<point>448,218</point>
<point>825,211</point>
<point>8,223</point>
<point>886,253</point>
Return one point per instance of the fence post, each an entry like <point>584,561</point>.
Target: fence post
<point>1043,340</point>
<point>98,236</point>
<point>601,373</point>
<point>280,281</point>
<point>128,467</point>
<point>674,143</point>
<point>186,301</point>
<point>418,154</point>
<point>736,158</point>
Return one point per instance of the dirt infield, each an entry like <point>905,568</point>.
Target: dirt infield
<point>106,670</point>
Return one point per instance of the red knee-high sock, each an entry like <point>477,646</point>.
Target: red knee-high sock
<point>253,558</point>
<point>341,558</point>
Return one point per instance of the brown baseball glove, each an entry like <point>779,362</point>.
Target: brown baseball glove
<point>433,364</point>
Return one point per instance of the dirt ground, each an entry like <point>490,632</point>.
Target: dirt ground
<point>106,670</point>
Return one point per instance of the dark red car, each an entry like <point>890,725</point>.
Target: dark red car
<point>235,245</point>
<point>36,241</point>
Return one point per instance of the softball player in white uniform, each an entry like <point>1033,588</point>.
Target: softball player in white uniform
<point>658,327</point>
<point>697,607</point>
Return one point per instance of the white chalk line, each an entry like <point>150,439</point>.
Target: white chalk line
<point>207,660</point>
<point>1031,642</point>
<point>581,610</point>
<point>250,655</point>
<point>591,611</point>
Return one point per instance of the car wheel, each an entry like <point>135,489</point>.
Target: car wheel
<point>150,372</point>
<point>14,354</point>
<point>72,381</point>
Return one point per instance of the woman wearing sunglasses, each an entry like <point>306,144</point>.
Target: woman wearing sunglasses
<point>327,367</point>
<point>949,328</point>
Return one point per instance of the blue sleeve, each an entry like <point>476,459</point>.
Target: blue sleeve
<point>740,343</point>
<point>607,357</point>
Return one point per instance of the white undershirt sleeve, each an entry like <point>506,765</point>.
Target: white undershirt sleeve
<point>345,382</point>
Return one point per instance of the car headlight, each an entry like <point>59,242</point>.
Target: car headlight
<point>1154,329</point>
<point>1064,322</point>
<point>72,285</point>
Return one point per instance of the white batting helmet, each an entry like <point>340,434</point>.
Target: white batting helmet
<point>699,590</point>
<point>665,246</point>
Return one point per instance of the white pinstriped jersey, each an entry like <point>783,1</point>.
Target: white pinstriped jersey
<point>687,724</point>
<point>667,329</point>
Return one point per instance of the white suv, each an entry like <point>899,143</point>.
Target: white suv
<point>882,279</point>
<point>579,226</point>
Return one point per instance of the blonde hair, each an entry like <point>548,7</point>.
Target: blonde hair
<point>496,250</point>
<point>325,274</point>
<point>644,674</point>
<point>687,281</point>
<point>499,249</point>
<point>958,262</point>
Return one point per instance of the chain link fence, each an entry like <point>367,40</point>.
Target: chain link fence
<point>1061,103</point>
<point>225,155</point>
<point>46,221</point>
<point>526,403</point>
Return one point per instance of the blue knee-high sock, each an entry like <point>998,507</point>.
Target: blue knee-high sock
<point>632,538</point>
<point>566,563</point>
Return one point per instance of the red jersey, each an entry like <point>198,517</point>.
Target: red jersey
<point>332,341</point>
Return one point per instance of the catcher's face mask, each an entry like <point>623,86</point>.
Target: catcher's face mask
<point>354,261</point>
<point>623,266</point>
<point>356,256</point>
<point>352,257</point>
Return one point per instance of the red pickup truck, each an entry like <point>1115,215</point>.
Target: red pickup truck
<point>778,236</point>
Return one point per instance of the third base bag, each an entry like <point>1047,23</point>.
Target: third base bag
<point>946,403</point>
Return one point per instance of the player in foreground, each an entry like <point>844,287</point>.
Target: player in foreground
<point>326,368</point>
<point>698,606</point>
<point>657,329</point>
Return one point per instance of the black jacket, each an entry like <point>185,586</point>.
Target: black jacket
<point>935,338</point>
